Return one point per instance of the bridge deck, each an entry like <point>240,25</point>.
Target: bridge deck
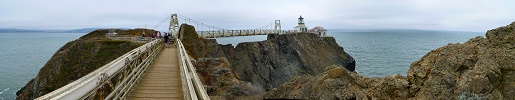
<point>162,79</point>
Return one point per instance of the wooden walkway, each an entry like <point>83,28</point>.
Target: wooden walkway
<point>162,80</point>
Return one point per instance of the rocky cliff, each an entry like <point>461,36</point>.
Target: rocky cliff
<point>338,83</point>
<point>222,82</point>
<point>264,64</point>
<point>198,47</point>
<point>270,63</point>
<point>481,68</point>
<point>76,59</point>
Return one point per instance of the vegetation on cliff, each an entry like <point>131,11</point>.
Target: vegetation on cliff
<point>76,59</point>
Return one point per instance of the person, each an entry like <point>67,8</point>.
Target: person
<point>165,34</point>
<point>142,38</point>
<point>166,40</point>
<point>159,34</point>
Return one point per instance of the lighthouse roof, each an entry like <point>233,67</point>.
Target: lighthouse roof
<point>301,17</point>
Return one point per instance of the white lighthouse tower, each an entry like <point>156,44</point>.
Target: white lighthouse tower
<point>301,27</point>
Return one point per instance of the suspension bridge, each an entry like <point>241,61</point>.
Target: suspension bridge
<point>213,31</point>
<point>151,71</point>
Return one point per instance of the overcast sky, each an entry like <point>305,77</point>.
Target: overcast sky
<point>456,15</point>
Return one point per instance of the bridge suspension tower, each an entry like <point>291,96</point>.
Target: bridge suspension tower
<point>174,25</point>
<point>278,26</point>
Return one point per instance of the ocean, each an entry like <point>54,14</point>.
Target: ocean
<point>378,53</point>
<point>383,52</point>
<point>23,54</point>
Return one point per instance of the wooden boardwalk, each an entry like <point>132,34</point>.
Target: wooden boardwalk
<point>162,80</point>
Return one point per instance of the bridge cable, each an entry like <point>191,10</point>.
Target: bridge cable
<point>161,23</point>
<point>212,28</point>
<point>198,22</point>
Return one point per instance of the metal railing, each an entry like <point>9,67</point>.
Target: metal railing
<point>114,79</point>
<point>193,88</point>
<point>231,33</point>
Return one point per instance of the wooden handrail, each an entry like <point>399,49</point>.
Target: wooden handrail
<point>194,89</point>
<point>102,78</point>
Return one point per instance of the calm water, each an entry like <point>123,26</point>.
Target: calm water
<point>379,53</point>
<point>23,54</point>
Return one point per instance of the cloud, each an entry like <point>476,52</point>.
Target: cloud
<point>461,15</point>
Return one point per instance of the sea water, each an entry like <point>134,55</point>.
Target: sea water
<point>383,52</point>
<point>23,54</point>
<point>378,53</point>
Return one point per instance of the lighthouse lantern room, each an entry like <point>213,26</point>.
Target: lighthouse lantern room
<point>301,27</point>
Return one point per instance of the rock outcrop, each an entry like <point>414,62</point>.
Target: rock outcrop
<point>222,82</point>
<point>481,68</point>
<point>338,83</point>
<point>76,59</point>
<point>267,64</point>
<point>270,63</point>
<point>198,47</point>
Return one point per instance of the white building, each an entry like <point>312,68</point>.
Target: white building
<point>300,28</point>
<point>319,30</point>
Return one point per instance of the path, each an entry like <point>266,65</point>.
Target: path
<point>162,79</point>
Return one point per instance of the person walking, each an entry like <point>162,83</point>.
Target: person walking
<point>167,39</point>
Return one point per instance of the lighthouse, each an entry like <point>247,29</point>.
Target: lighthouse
<point>301,27</point>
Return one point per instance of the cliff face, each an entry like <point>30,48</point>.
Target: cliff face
<point>222,82</point>
<point>198,47</point>
<point>270,63</point>
<point>74,60</point>
<point>481,68</point>
<point>265,64</point>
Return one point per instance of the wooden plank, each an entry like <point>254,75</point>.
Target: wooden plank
<point>144,98</point>
<point>162,81</point>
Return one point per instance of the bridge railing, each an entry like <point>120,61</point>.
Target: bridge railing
<point>231,33</point>
<point>113,80</point>
<point>193,88</point>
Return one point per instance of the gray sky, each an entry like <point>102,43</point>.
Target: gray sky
<point>457,15</point>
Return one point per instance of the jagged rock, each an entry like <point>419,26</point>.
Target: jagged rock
<point>267,64</point>
<point>334,83</point>
<point>228,51</point>
<point>338,83</point>
<point>481,68</point>
<point>221,81</point>
<point>199,47</point>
